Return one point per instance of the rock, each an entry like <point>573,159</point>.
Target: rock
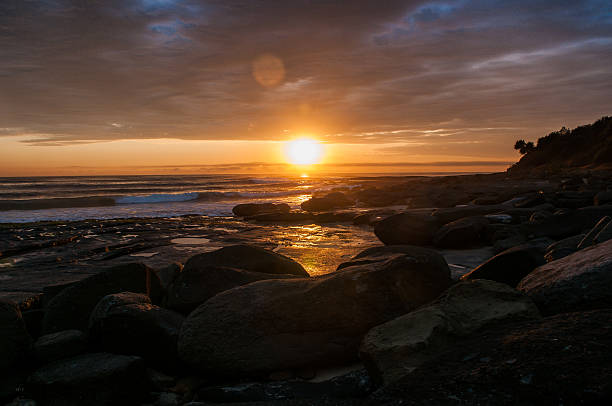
<point>509,266</point>
<point>530,200</point>
<point>15,341</point>
<point>563,247</point>
<point>252,209</point>
<point>63,344</point>
<point>196,284</point>
<point>426,257</point>
<point>285,324</point>
<point>394,349</point>
<point>539,362</point>
<point>444,216</point>
<point>580,281</point>
<point>603,197</point>
<point>92,379</point>
<point>589,238</point>
<point>292,217</point>
<point>248,258</point>
<point>352,385</point>
<point>70,309</point>
<point>540,216</point>
<point>462,233</point>
<point>168,273</point>
<point>127,323</point>
<point>407,229</point>
<point>330,201</point>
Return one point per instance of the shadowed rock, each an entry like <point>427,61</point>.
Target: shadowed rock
<point>539,362</point>
<point>407,229</point>
<point>330,201</point>
<point>284,324</point>
<point>14,339</point>
<point>580,281</point>
<point>462,233</point>
<point>195,285</point>
<point>90,379</point>
<point>248,258</point>
<point>394,349</point>
<point>63,344</point>
<point>70,308</point>
<point>252,209</point>
<point>509,266</point>
<point>127,323</point>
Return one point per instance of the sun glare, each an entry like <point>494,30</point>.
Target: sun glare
<point>303,151</point>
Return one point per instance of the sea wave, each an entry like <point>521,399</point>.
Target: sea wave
<point>153,198</point>
<point>157,198</point>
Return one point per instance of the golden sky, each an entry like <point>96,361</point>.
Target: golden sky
<point>193,86</point>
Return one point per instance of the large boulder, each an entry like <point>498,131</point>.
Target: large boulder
<point>195,285</point>
<point>394,349</point>
<point>252,209</point>
<point>127,323</point>
<point>248,258</point>
<point>330,201</point>
<point>70,308</point>
<point>462,233</point>
<point>563,248</point>
<point>15,341</point>
<point>63,344</point>
<point>580,281</point>
<point>428,258</point>
<point>407,229</point>
<point>446,215</point>
<point>91,379</point>
<point>277,325</point>
<point>509,266</point>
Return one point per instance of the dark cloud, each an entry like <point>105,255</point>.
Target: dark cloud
<point>479,72</point>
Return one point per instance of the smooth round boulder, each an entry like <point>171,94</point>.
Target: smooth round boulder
<point>248,258</point>
<point>328,202</point>
<point>127,323</point>
<point>195,285</point>
<point>276,325</point>
<point>462,233</point>
<point>509,266</point>
<point>70,309</point>
<point>252,209</point>
<point>407,229</point>
<point>63,344</point>
<point>427,258</point>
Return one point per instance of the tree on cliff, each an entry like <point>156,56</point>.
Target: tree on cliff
<point>524,147</point>
<point>586,146</point>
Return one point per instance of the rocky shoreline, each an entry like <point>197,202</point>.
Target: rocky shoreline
<point>478,289</point>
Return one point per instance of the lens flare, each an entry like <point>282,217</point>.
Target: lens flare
<point>303,151</point>
<point>268,70</point>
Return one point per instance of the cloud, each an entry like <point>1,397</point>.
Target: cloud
<point>355,72</point>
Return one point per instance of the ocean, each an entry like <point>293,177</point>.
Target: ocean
<point>107,197</point>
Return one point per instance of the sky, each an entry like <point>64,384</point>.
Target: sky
<point>173,86</point>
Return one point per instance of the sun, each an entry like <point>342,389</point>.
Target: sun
<point>303,151</point>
